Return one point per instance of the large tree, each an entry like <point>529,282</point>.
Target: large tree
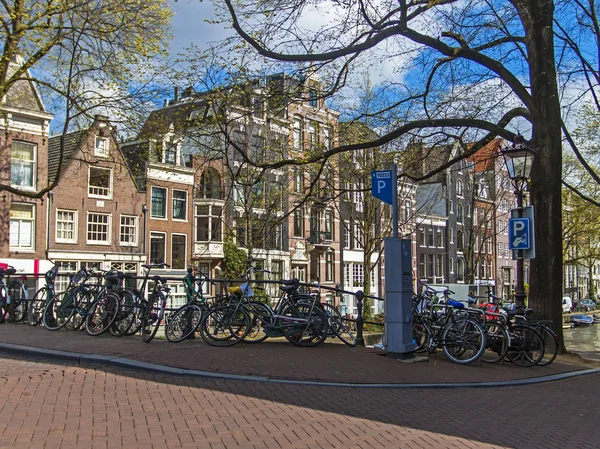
<point>86,57</point>
<point>470,70</point>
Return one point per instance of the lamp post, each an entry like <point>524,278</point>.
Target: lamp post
<point>518,160</point>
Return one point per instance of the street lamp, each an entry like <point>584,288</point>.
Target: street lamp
<point>518,160</point>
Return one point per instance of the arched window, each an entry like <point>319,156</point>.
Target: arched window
<point>460,269</point>
<point>210,184</point>
<point>459,187</point>
<point>459,240</point>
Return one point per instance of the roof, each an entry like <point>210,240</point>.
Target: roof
<point>485,158</point>
<point>22,94</point>
<point>71,143</point>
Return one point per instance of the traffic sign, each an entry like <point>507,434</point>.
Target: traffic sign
<point>382,185</point>
<point>519,234</point>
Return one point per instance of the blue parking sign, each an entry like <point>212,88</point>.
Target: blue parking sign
<point>382,185</point>
<point>519,234</point>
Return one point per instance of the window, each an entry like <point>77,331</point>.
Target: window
<point>313,138</point>
<point>274,237</point>
<point>259,108</point>
<point>298,180</point>
<point>299,222</point>
<point>170,151</point>
<point>347,268</point>
<point>66,226</point>
<point>23,165</point>
<point>422,272</point>
<point>468,210</point>
<point>459,187</point>
<point>358,275</point>
<point>99,184</point>
<point>499,250</point>
<point>476,217</point>
<point>489,245</point>
<point>159,203</point>
<point>407,210</point>
<point>128,231</point>
<point>460,270</point>
<point>276,196</point>
<point>98,228</point>
<point>210,184</point>
<point>298,134</point>
<point>451,206</point>
<point>459,240</point>
<point>329,225</point>
<point>157,247</point>
<point>179,205</point>
<point>459,213</point>
<point>421,237</point>
<point>329,266</point>
<point>430,238</point>
<point>451,264</point>
<point>430,266</point>
<point>347,235</point>
<point>490,270</point>
<point>101,147</point>
<point>439,270</point>
<point>440,239</point>
<point>313,98</point>
<point>358,236</point>
<point>178,251</point>
<point>299,272</point>
<point>451,235</point>
<point>22,226</point>
<point>209,223</point>
<point>326,138</point>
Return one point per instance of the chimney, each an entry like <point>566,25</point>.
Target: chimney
<point>176,94</point>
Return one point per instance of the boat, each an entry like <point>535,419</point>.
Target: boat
<point>581,320</point>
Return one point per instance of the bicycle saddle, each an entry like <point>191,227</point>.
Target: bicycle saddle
<point>456,304</point>
<point>7,271</point>
<point>289,285</point>
<point>234,290</point>
<point>158,279</point>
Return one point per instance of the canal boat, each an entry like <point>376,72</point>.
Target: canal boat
<point>581,320</point>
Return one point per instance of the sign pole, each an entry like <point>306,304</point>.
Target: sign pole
<point>395,200</point>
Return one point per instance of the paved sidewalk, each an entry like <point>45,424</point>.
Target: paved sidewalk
<point>49,406</point>
<point>277,360</point>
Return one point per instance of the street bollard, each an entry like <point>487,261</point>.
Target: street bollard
<point>359,319</point>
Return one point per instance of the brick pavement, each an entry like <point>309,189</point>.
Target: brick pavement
<point>49,406</point>
<point>327,362</point>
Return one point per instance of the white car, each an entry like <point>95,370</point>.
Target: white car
<point>567,304</point>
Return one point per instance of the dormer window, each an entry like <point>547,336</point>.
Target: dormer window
<point>169,153</point>
<point>101,147</point>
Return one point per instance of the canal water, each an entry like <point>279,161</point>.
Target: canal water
<point>583,339</point>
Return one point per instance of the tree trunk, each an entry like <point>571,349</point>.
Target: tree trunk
<point>546,269</point>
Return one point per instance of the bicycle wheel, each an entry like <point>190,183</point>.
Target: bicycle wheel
<point>463,340</point>
<point>333,319</point>
<point>139,308</point>
<point>304,324</point>
<point>225,326</point>
<point>183,323</point>
<point>17,309</point>
<point>151,318</point>
<point>420,335</point>
<point>125,317</point>
<point>83,302</point>
<point>37,305</point>
<point>102,314</point>
<point>58,311</point>
<point>498,341</point>
<point>526,346</point>
<point>259,314</point>
<point>550,345</point>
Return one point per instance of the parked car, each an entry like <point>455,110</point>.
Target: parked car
<point>567,304</point>
<point>587,305</point>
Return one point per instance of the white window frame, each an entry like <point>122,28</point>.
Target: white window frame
<point>105,150</point>
<point>108,230</point>
<point>32,220</point>
<point>34,163</point>
<point>110,184</point>
<point>166,214</point>
<point>347,235</point>
<point>58,239</point>
<point>164,234</point>
<point>173,205</point>
<point>135,230</point>
<point>211,216</point>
